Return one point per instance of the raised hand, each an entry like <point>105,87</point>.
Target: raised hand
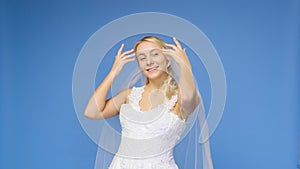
<point>189,97</point>
<point>121,59</point>
<point>177,53</point>
<point>99,107</point>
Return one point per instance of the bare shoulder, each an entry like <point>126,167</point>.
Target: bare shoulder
<point>126,91</point>
<point>123,95</point>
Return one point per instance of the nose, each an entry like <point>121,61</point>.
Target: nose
<point>149,61</point>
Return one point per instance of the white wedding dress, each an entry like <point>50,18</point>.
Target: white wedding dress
<point>148,138</point>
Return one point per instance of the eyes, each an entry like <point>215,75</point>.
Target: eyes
<point>154,54</point>
<point>142,58</point>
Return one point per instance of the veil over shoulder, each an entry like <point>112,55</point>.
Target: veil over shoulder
<point>192,151</point>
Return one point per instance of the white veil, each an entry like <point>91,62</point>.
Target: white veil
<point>192,150</point>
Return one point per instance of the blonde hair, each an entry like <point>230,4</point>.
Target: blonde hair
<point>169,86</point>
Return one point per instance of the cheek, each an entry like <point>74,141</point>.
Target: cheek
<point>162,61</point>
<point>141,65</point>
<point>159,59</point>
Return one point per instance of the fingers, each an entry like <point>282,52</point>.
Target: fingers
<point>178,55</point>
<point>128,56</point>
<point>128,60</point>
<point>167,51</point>
<point>127,52</point>
<point>171,46</point>
<point>175,47</point>
<point>124,53</point>
<point>125,57</point>
<point>120,49</point>
<point>177,43</point>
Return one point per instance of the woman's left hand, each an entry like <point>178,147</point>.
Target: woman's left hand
<point>189,97</point>
<point>178,54</point>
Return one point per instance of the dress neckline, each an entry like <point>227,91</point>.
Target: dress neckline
<point>142,90</point>
<point>140,94</point>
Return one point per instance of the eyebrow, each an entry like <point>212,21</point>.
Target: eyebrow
<point>150,52</point>
<point>140,55</point>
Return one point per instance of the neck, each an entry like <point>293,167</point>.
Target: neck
<point>157,83</point>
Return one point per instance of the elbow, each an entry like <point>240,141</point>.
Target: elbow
<point>88,115</point>
<point>92,116</point>
<point>92,112</point>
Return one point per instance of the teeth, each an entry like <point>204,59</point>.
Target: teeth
<point>150,69</point>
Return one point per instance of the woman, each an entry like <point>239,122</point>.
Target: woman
<point>152,116</point>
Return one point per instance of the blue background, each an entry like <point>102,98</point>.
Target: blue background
<point>257,41</point>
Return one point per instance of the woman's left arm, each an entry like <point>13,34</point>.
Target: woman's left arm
<point>189,97</point>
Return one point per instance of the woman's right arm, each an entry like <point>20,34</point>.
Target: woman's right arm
<point>100,108</point>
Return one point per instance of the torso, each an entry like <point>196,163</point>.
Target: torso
<point>149,136</point>
<point>146,106</point>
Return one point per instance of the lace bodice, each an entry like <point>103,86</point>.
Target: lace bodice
<point>148,138</point>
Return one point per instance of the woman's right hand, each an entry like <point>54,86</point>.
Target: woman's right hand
<point>99,107</point>
<point>121,59</point>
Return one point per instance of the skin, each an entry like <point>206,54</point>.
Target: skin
<point>149,55</point>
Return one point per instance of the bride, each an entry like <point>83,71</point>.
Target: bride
<point>152,116</point>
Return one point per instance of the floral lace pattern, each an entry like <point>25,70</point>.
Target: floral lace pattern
<point>124,163</point>
<point>136,95</point>
<point>168,128</point>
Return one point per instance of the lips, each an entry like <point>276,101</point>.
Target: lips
<point>151,69</point>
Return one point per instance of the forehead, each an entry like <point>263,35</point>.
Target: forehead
<point>147,46</point>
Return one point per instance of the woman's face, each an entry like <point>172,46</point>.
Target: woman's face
<point>151,60</point>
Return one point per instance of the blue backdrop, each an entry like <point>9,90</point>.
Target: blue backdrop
<point>257,41</point>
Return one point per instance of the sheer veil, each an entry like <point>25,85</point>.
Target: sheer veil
<point>192,150</point>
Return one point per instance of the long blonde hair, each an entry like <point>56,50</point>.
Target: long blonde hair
<point>170,86</point>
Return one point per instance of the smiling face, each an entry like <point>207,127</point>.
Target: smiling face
<point>151,60</point>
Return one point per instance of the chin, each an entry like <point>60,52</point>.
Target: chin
<point>153,75</point>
